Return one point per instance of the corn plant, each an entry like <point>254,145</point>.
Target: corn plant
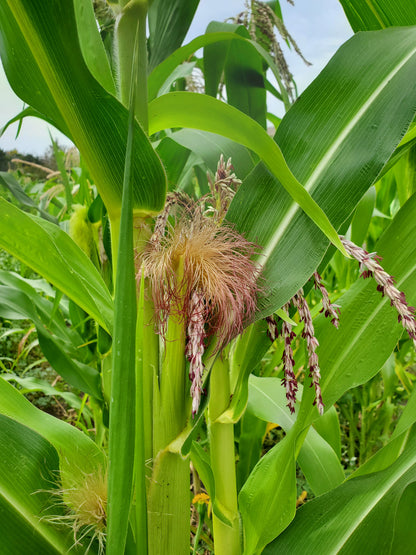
<point>202,270</point>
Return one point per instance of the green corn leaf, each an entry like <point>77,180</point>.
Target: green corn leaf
<point>248,351</point>
<point>26,500</point>
<point>199,111</point>
<point>27,112</point>
<point>60,353</point>
<point>362,217</point>
<point>379,14</point>
<point>405,535</point>
<point>77,452</point>
<point>200,458</point>
<point>360,516</point>
<point>210,146</point>
<point>92,46</point>
<point>174,157</point>
<point>168,25</point>
<point>328,427</point>
<point>335,139</point>
<point>250,446</point>
<point>30,383</point>
<point>263,511</point>
<point>180,72</point>
<point>123,379</point>
<point>49,251</point>
<point>242,68</point>
<point>47,310</point>
<point>161,74</point>
<point>319,462</point>
<point>408,416</point>
<point>10,182</point>
<point>45,67</point>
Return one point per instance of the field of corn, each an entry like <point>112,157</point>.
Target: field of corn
<point>207,332</point>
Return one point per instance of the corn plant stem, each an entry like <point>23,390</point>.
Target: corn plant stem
<point>174,382</point>
<point>150,373</point>
<point>140,458</point>
<point>226,538</point>
<point>168,498</point>
<point>133,13</point>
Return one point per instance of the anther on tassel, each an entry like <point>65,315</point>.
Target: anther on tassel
<point>370,266</point>
<point>289,381</point>
<point>329,309</point>
<point>195,347</point>
<point>311,345</point>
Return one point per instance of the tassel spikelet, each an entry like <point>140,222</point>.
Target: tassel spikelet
<point>370,267</point>
<point>289,381</point>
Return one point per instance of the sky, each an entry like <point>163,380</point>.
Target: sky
<point>318,26</point>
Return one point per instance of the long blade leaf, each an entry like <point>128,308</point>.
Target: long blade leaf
<point>123,381</point>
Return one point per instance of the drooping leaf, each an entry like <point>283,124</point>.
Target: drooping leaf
<point>44,65</point>
<point>10,182</point>
<point>30,383</point>
<point>53,314</point>
<point>199,111</point>
<point>26,112</point>
<point>14,303</point>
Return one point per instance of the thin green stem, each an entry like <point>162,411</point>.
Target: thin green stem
<point>140,457</point>
<point>226,538</point>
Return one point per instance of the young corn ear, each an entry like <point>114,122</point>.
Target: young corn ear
<point>85,509</point>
